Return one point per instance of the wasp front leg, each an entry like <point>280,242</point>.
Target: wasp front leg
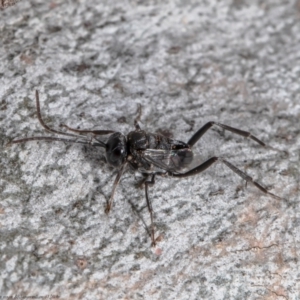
<point>149,205</point>
<point>116,182</point>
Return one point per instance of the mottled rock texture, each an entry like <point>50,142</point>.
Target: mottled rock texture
<point>186,63</point>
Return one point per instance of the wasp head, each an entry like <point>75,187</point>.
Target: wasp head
<point>116,149</point>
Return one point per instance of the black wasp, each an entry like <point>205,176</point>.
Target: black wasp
<point>150,154</point>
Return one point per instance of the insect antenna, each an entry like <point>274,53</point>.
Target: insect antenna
<point>38,110</point>
<point>52,138</point>
<point>88,141</point>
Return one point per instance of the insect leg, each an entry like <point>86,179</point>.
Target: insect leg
<point>149,205</point>
<point>212,160</point>
<point>194,139</point>
<point>116,182</point>
<point>138,117</point>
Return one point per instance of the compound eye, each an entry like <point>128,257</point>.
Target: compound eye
<point>117,153</point>
<point>116,156</point>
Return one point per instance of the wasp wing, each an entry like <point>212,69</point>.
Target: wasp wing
<point>169,160</point>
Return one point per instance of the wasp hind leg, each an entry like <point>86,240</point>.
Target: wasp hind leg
<point>202,167</point>
<point>196,137</point>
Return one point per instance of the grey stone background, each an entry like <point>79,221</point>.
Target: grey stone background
<point>186,63</point>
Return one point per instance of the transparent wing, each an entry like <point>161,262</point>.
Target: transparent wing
<point>169,160</point>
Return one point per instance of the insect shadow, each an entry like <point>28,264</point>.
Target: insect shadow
<point>150,154</point>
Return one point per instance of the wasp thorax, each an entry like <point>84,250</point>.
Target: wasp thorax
<point>116,149</point>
